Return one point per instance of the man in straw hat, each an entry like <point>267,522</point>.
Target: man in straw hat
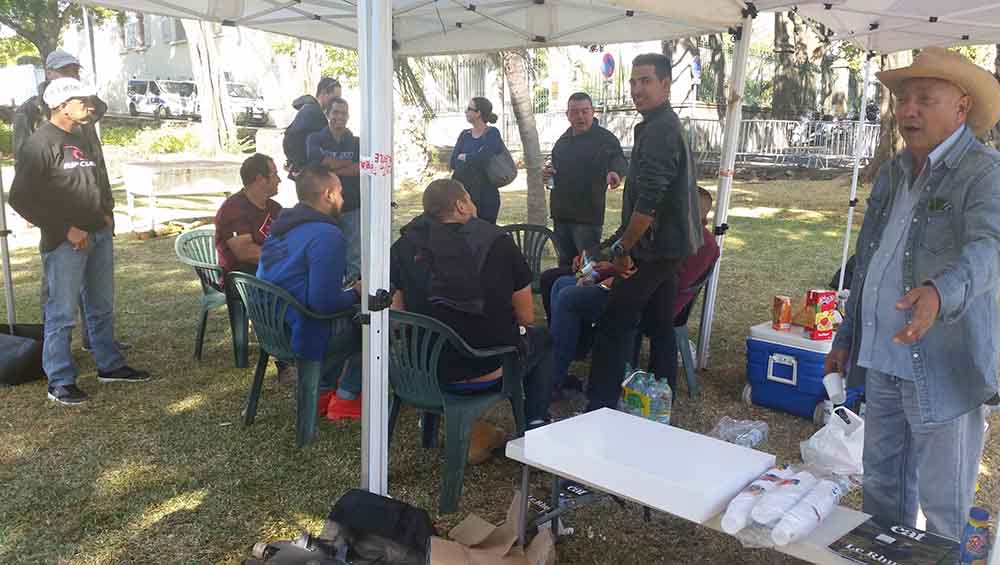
<point>921,330</point>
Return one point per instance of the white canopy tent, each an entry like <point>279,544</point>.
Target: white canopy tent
<point>383,28</point>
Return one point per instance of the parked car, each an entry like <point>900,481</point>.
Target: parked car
<point>246,105</point>
<point>163,98</point>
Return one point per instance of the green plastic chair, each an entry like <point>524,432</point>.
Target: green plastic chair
<point>415,344</point>
<point>535,243</point>
<point>266,305</point>
<point>196,248</point>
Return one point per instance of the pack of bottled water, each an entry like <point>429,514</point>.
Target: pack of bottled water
<point>646,396</point>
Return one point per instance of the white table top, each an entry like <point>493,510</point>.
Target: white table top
<point>813,548</point>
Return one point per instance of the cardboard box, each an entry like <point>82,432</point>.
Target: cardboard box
<point>666,468</point>
<point>474,541</point>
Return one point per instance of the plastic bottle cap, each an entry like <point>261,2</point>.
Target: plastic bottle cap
<point>979,514</point>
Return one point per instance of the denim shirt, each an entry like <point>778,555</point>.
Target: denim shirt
<point>953,244</point>
<point>885,271</point>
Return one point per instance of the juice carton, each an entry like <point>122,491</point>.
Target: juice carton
<point>821,306</point>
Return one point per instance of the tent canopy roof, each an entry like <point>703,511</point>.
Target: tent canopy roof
<point>437,27</point>
<point>887,26</point>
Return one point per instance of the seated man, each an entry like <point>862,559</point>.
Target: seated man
<point>244,219</point>
<point>242,223</point>
<point>576,306</point>
<point>488,304</point>
<point>305,255</point>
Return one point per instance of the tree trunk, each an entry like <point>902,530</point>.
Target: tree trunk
<point>718,65</point>
<point>218,132</point>
<point>786,85</point>
<point>516,68</point>
<point>889,140</point>
<point>995,133</point>
<point>308,65</point>
<point>806,98</point>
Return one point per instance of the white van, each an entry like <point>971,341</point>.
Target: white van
<point>163,98</point>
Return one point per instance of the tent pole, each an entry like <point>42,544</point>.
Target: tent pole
<point>88,28</point>
<point>858,147</point>
<point>8,280</point>
<point>375,69</point>
<point>727,163</point>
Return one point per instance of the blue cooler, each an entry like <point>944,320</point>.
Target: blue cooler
<point>785,371</point>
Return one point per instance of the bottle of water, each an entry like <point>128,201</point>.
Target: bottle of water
<point>551,182</point>
<point>665,402</point>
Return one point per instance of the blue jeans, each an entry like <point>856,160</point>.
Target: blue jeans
<point>342,365</point>
<point>908,462</point>
<point>572,238</point>
<point>70,275</point>
<point>572,307</point>
<point>350,225</point>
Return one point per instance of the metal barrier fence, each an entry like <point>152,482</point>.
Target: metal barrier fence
<point>811,144</point>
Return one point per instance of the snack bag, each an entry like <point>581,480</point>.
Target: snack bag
<point>821,305</point>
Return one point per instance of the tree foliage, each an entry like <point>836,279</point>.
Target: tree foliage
<point>42,22</point>
<point>15,50</point>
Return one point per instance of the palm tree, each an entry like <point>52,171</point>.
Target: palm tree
<point>515,65</point>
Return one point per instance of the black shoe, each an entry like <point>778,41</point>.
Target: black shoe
<point>123,374</point>
<point>69,395</point>
<point>120,345</point>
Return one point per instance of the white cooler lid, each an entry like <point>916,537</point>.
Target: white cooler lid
<point>796,338</point>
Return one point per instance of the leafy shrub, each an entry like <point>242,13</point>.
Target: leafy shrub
<point>166,140</point>
<point>6,139</point>
<point>120,135</point>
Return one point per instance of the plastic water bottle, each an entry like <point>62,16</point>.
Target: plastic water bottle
<point>747,433</point>
<point>551,182</point>
<point>664,402</point>
<point>976,538</point>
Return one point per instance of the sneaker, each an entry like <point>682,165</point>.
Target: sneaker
<point>123,374</point>
<point>288,375</point>
<point>342,409</point>
<point>324,402</point>
<point>70,395</point>
<point>121,345</point>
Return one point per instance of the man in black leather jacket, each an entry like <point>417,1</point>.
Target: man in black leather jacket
<point>660,227</point>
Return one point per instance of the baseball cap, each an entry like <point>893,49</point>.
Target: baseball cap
<point>62,89</point>
<point>59,59</point>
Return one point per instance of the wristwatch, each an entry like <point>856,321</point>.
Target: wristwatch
<point>617,249</point>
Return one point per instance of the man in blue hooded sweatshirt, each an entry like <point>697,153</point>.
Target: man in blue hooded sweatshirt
<point>306,255</point>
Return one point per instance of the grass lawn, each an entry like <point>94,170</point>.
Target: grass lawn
<point>164,472</point>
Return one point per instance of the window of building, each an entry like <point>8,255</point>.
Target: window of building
<point>133,31</point>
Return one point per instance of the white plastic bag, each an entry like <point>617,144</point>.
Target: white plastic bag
<point>838,446</point>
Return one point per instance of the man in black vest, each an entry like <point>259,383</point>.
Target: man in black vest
<point>660,227</point>
<point>488,305</point>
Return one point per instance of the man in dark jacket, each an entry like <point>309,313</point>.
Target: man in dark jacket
<point>586,160</point>
<point>61,185</point>
<point>305,255</point>
<point>340,150</point>
<point>310,118</point>
<point>660,227</point>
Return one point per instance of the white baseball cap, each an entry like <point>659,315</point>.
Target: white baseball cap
<point>62,89</point>
<point>59,59</point>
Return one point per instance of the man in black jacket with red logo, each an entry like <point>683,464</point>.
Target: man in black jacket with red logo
<point>61,185</point>
<point>660,227</point>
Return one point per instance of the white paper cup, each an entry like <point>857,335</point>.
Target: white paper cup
<point>834,384</point>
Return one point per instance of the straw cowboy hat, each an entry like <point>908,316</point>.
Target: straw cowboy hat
<point>981,86</point>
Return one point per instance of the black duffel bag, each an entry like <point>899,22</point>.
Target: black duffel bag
<point>20,354</point>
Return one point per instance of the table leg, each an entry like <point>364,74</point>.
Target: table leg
<point>554,524</point>
<point>130,207</point>
<point>523,526</point>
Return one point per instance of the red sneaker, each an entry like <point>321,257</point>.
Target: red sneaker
<point>340,409</point>
<point>324,401</point>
